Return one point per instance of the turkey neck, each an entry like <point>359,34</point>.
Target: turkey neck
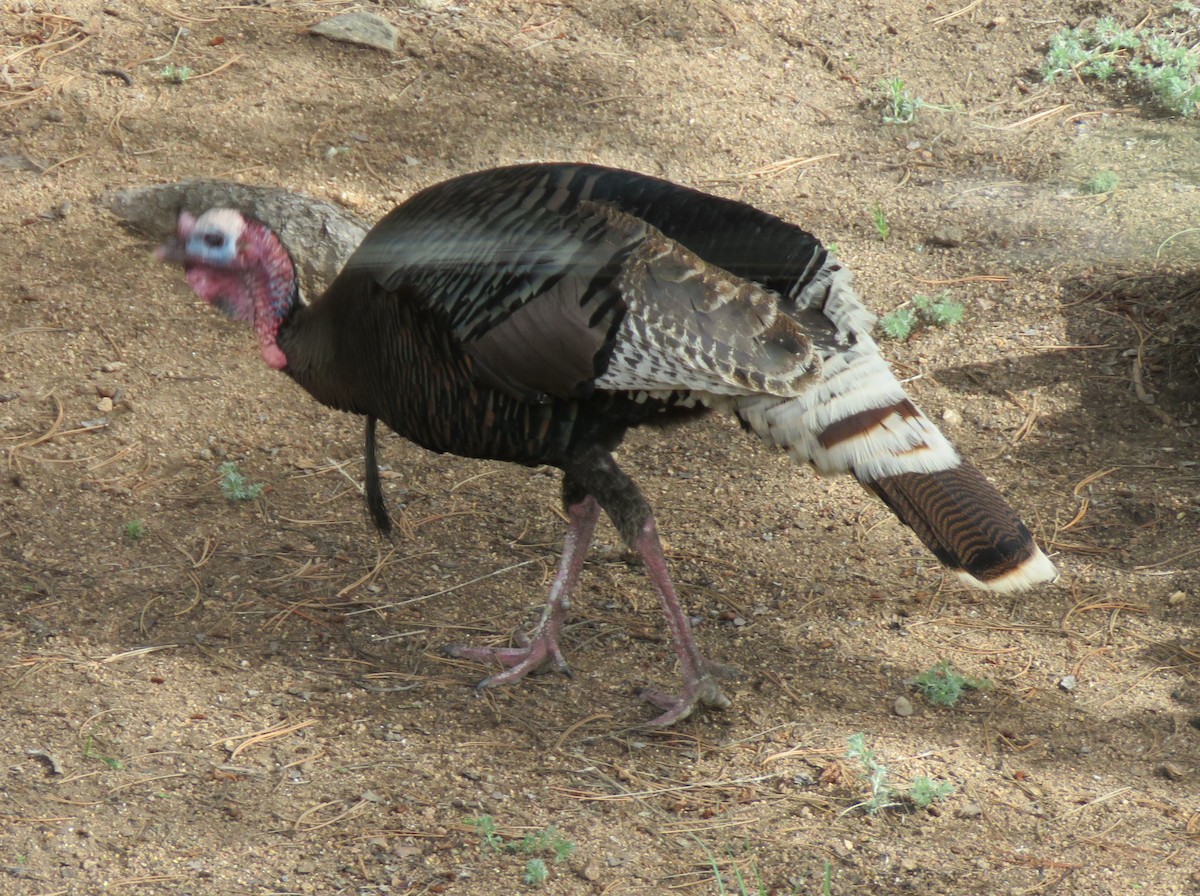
<point>308,340</point>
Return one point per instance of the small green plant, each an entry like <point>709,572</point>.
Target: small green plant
<point>921,793</point>
<point>135,529</point>
<point>1162,61</point>
<point>485,827</point>
<point>548,840</point>
<point>943,685</point>
<point>879,219</point>
<point>925,791</point>
<point>89,753</point>
<point>1101,182</point>
<point>873,770</point>
<point>899,106</point>
<point>939,311</point>
<point>176,74</point>
<point>743,886</point>
<point>536,873</point>
<point>542,841</point>
<point>898,324</point>
<point>234,485</point>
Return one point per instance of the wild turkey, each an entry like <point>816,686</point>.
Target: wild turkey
<point>535,313</point>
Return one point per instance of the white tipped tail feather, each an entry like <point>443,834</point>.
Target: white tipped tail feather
<point>855,417</point>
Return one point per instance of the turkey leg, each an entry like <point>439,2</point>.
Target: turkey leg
<point>542,647</point>
<point>699,685</point>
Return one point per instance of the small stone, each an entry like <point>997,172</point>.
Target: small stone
<point>590,871</point>
<point>113,366</point>
<point>1067,682</point>
<point>104,405</point>
<point>56,115</point>
<point>969,810</point>
<point>952,417</point>
<point>306,866</point>
<point>1176,598</point>
<point>902,707</point>
<point>361,28</point>
<point>947,237</point>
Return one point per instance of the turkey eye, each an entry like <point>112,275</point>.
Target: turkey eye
<point>214,240</point>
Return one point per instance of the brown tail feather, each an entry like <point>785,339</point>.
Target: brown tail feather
<point>961,517</point>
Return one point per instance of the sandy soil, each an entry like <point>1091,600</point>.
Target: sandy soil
<point>245,697</point>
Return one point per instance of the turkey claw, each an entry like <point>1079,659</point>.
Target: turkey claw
<point>703,690</point>
<point>537,655</point>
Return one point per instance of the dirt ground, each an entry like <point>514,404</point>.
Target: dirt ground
<point>208,696</point>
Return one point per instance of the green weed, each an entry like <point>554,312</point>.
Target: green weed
<point>234,485</point>
<point>536,873</point>
<point>176,74</point>
<point>743,886</point>
<point>90,753</point>
<point>876,773</point>
<point>545,841</point>
<point>135,529</point>
<point>1101,182</point>
<point>485,827</point>
<point>898,324</point>
<point>879,219</point>
<point>939,311</point>
<point>943,685</point>
<point>925,791</point>
<point>899,106</point>
<point>1162,61</point>
<point>921,793</point>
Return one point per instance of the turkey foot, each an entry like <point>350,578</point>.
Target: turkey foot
<point>703,690</point>
<point>534,653</point>
<point>699,684</point>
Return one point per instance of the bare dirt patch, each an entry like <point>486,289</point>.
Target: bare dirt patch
<point>209,696</point>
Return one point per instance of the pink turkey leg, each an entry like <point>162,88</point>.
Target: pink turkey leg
<point>542,647</point>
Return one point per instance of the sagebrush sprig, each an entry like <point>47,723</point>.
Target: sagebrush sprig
<point>939,311</point>
<point>235,486</point>
<point>1164,62</point>
<point>547,840</point>
<point>943,685</point>
<point>922,793</point>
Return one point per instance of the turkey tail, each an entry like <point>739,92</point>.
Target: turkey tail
<point>968,526</point>
<point>897,452</point>
<point>856,418</point>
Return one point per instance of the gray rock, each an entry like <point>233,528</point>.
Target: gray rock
<point>319,235</point>
<point>361,28</point>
